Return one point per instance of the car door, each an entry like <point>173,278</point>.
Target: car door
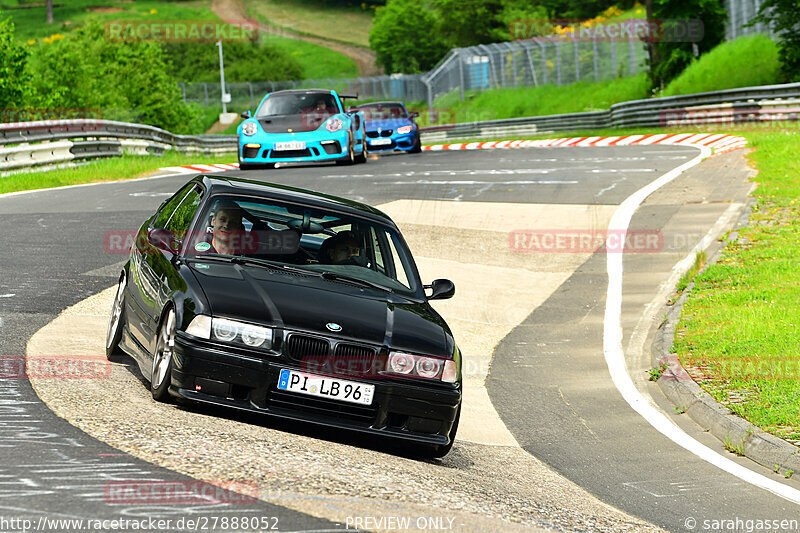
<point>166,237</point>
<point>142,283</point>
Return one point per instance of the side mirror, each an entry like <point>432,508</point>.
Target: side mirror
<point>441,289</point>
<point>163,240</point>
<point>414,114</point>
<point>246,114</point>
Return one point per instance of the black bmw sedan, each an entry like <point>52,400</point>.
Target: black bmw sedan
<point>290,303</point>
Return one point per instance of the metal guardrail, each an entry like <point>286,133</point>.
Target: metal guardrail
<point>28,144</point>
<point>750,104</point>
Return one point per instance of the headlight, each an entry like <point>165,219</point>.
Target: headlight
<point>334,124</point>
<point>233,331</point>
<point>402,130</point>
<point>249,128</point>
<point>420,366</point>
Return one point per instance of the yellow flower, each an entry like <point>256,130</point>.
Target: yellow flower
<point>638,11</point>
<point>153,11</point>
<point>549,63</point>
<point>48,40</point>
<point>32,41</point>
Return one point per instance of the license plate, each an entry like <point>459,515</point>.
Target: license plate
<point>322,387</point>
<point>380,142</point>
<point>290,145</point>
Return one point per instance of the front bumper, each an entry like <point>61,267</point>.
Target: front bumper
<point>260,148</point>
<point>397,143</point>
<point>404,409</point>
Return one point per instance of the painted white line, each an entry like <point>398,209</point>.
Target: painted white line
<point>9,295</point>
<point>607,141</point>
<point>473,182</point>
<point>615,356</point>
<point>629,140</point>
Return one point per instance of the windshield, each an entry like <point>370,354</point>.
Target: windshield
<point>298,104</point>
<point>383,112</point>
<point>311,239</point>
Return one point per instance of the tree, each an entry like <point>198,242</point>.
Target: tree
<point>49,11</point>
<point>124,81</point>
<point>671,53</point>
<point>13,78</point>
<point>404,37</point>
<point>784,17</point>
<point>471,22</point>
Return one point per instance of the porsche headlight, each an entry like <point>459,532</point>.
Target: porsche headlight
<point>402,130</point>
<point>249,128</point>
<point>334,124</point>
<point>232,331</point>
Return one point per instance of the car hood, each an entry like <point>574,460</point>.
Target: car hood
<point>293,123</point>
<point>308,303</point>
<point>386,124</point>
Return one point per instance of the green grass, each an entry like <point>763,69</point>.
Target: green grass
<point>317,61</point>
<point>30,22</point>
<point>745,62</point>
<point>543,100</point>
<point>115,168</point>
<point>739,326</point>
<point>317,18</point>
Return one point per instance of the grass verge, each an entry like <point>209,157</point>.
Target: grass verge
<point>758,54</point>
<point>738,332</point>
<point>114,168</point>
<point>544,100</point>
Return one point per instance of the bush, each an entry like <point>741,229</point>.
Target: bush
<point>13,80</point>
<point>125,81</point>
<point>198,62</point>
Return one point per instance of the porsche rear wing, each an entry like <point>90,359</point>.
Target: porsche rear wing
<point>346,96</point>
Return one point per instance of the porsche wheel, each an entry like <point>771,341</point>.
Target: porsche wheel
<point>114,333</point>
<point>362,157</point>
<point>350,158</point>
<point>162,359</point>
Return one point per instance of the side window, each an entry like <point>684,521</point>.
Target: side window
<point>400,271</point>
<point>376,246</point>
<point>166,212</point>
<point>179,222</point>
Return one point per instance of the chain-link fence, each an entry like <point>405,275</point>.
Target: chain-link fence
<point>540,61</point>
<point>740,13</point>
<point>562,59</point>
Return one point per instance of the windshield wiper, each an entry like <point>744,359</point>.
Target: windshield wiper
<point>239,260</point>
<point>354,280</point>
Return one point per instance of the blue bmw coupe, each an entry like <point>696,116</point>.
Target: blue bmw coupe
<point>390,127</point>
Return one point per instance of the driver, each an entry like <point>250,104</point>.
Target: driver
<point>228,236</point>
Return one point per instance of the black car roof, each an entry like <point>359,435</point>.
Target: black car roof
<point>302,91</point>
<point>237,185</point>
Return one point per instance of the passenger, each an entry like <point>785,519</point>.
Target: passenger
<point>342,249</point>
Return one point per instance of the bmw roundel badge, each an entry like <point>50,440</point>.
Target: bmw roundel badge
<point>333,326</point>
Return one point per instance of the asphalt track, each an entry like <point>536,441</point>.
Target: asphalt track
<point>548,379</point>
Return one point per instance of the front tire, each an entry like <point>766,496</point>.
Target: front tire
<point>362,157</point>
<point>162,359</point>
<point>350,158</point>
<point>417,147</point>
<point>114,333</point>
